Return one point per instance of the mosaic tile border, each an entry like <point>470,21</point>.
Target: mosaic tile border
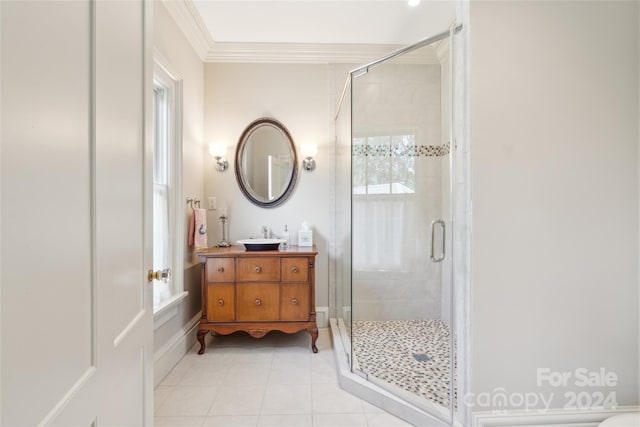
<point>410,354</point>
<point>402,150</point>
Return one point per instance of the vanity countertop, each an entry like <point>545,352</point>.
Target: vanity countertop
<point>239,250</point>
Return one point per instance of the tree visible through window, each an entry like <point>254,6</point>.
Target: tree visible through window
<point>384,183</point>
<point>384,164</point>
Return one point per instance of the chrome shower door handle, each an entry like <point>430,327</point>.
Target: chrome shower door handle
<point>433,229</point>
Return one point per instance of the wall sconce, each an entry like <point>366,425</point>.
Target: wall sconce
<point>218,152</point>
<point>308,151</point>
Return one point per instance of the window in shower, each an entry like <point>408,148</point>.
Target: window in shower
<point>383,186</point>
<point>383,165</point>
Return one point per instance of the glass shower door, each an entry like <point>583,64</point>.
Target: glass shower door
<point>401,313</point>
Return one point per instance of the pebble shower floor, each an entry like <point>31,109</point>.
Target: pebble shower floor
<point>410,354</point>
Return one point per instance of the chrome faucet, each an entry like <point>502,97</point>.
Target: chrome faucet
<point>265,231</point>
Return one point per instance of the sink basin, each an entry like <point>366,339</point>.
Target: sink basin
<point>261,244</point>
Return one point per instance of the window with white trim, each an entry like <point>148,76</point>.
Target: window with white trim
<point>384,164</point>
<point>167,171</point>
<point>384,202</point>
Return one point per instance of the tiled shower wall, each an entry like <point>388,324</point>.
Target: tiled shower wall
<point>401,99</point>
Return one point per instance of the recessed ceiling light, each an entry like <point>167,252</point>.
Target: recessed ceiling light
<point>413,3</point>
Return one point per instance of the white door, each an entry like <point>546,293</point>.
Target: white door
<point>76,316</point>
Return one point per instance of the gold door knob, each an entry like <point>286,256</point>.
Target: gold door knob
<point>220,302</point>
<point>221,269</point>
<point>258,269</point>
<point>294,301</point>
<point>164,275</point>
<point>294,269</point>
<point>258,302</point>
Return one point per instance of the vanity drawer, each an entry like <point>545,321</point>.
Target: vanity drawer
<point>258,269</point>
<point>294,301</point>
<point>258,301</point>
<point>295,269</point>
<point>220,270</point>
<point>220,302</point>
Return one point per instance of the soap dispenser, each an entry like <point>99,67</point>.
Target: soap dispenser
<point>285,235</point>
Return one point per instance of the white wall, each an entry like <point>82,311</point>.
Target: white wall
<point>170,42</point>
<point>554,111</point>
<point>296,95</point>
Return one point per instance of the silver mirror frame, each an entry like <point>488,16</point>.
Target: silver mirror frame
<point>240,149</point>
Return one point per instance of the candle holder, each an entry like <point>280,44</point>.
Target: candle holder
<point>223,220</point>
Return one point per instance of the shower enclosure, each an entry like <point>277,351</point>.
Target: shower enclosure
<point>394,200</point>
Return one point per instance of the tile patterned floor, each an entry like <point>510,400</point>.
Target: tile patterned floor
<point>410,354</point>
<point>274,381</point>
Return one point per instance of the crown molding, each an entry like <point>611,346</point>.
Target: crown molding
<point>442,50</point>
<point>306,53</point>
<point>442,47</point>
<point>188,19</point>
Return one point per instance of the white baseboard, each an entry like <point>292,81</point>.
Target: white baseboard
<point>549,418</point>
<point>168,356</point>
<point>322,317</point>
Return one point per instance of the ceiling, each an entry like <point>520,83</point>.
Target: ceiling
<point>306,30</point>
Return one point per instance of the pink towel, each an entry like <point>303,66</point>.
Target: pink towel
<point>192,227</point>
<point>200,233</point>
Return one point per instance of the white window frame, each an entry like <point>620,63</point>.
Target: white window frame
<point>172,82</point>
<point>366,186</point>
<point>370,262</point>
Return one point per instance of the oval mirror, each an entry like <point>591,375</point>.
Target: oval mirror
<point>266,163</point>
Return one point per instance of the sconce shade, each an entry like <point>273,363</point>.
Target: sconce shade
<point>309,150</point>
<point>217,150</point>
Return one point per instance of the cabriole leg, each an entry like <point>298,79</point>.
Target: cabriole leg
<point>314,338</point>
<point>201,335</point>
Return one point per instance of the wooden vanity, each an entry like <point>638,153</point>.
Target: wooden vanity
<point>258,292</point>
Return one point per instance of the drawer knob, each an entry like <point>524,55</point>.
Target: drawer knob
<point>258,269</point>
<point>258,302</point>
<point>294,301</point>
<point>294,269</point>
<point>221,302</point>
<point>220,269</point>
